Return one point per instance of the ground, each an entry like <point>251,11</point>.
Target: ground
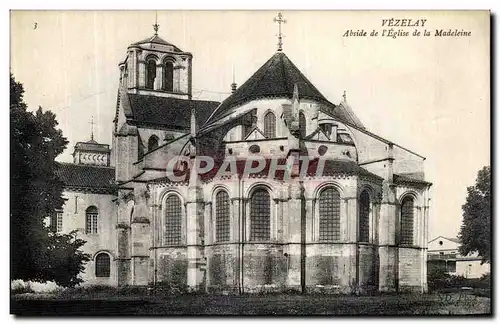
<point>140,303</point>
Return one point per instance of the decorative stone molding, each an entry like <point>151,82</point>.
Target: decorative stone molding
<point>122,226</point>
<point>140,220</point>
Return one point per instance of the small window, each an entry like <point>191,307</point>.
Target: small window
<point>326,128</point>
<point>168,76</point>
<point>260,216</point>
<point>59,220</point>
<point>92,215</point>
<point>322,150</point>
<point>173,219</point>
<point>152,143</point>
<point>364,217</point>
<point>150,73</point>
<point>270,125</point>
<point>407,221</point>
<point>102,265</point>
<point>254,149</point>
<point>329,215</point>
<point>451,266</point>
<point>302,124</point>
<point>344,138</point>
<point>222,216</point>
<point>56,222</point>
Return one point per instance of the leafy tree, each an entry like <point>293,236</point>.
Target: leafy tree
<point>35,194</point>
<point>475,235</point>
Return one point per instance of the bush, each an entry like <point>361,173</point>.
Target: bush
<point>20,287</point>
<point>437,278</point>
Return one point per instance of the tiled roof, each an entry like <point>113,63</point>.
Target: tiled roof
<point>453,239</point>
<point>169,111</point>
<point>344,113</point>
<point>274,79</point>
<point>90,177</point>
<point>92,146</point>
<point>398,178</point>
<point>156,40</point>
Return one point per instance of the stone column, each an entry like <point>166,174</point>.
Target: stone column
<point>141,77</point>
<point>159,77</point>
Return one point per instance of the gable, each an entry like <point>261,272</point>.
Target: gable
<point>255,134</point>
<point>443,243</point>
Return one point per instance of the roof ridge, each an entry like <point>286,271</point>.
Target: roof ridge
<point>274,79</point>
<point>86,165</point>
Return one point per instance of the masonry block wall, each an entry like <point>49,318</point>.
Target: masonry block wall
<point>101,241</point>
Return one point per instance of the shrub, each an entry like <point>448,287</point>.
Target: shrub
<point>437,278</point>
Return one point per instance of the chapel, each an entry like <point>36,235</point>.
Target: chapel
<point>357,224</point>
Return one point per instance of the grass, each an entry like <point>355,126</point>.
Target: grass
<point>104,301</point>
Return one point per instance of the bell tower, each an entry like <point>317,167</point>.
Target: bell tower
<point>156,67</point>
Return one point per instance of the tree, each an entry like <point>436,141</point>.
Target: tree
<point>475,235</point>
<point>35,193</point>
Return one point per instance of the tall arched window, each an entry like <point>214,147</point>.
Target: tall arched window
<point>173,220</point>
<point>150,73</point>
<point>364,217</point>
<point>168,76</point>
<point>302,124</point>
<point>222,216</point>
<point>102,265</point>
<point>407,221</point>
<point>270,125</point>
<point>329,215</point>
<point>260,216</point>
<point>92,215</point>
<point>152,143</point>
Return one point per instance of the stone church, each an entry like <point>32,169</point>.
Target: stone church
<point>357,224</point>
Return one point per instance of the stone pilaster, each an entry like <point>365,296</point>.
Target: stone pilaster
<point>141,238</point>
<point>195,253</point>
<point>388,227</point>
<point>295,224</point>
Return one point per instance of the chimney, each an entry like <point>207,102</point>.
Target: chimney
<point>233,87</point>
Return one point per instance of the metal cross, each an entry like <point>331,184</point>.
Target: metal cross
<point>279,19</point>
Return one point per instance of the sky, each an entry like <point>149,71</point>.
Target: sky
<point>428,94</point>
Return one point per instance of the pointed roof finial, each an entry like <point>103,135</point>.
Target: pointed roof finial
<point>156,26</point>
<point>344,96</point>
<point>233,85</point>
<point>279,19</point>
<point>295,92</point>
<point>92,128</point>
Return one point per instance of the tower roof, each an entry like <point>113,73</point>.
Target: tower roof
<point>274,79</point>
<point>155,39</point>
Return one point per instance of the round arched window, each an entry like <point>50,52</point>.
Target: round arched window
<point>254,149</point>
<point>322,150</point>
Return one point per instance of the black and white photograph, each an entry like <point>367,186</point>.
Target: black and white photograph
<point>250,163</point>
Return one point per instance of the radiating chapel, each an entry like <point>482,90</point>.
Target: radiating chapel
<point>357,224</point>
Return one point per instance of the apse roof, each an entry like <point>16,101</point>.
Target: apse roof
<point>274,79</point>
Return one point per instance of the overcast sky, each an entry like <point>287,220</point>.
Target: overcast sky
<point>428,94</point>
